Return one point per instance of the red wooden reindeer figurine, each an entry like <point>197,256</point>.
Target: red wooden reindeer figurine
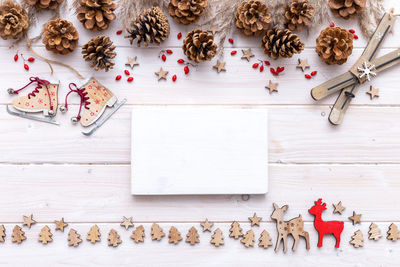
<point>323,228</point>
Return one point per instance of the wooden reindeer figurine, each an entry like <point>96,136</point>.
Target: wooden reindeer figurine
<point>323,228</point>
<point>293,227</point>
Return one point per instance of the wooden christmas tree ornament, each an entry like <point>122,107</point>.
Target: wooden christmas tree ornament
<point>60,225</point>
<point>94,234</point>
<point>393,233</point>
<point>206,225</point>
<point>366,67</point>
<point>217,239</point>
<point>235,230</point>
<point>45,235</point>
<point>174,235</point>
<point>356,218</point>
<point>126,222</point>
<point>265,240</point>
<point>74,239</point>
<point>248,239</point>
<point>2,233</point>
<point>113,238</point>
<point>138,234</point>
<point>324,228</point>
<point>255,220</point>
<point>192,236</point>
<point>156,232</point>
<point>357,239</point>
<point>338,208</point>
<point>28,221</point>
<point>18,236</point>
<point>374,232</point>
<point>293,227</point>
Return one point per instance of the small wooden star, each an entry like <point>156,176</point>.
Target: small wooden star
<point>373,92</point>
<point>272,87</point>
<point>338,208</point>
<point>213,29</point>
<point>206,225</point>
<point>247,54</point>
<point>131,62</point>
<point>162,74</point>
<point>255,220</point>
<point>60,225</point>
<point>220,66</point>
<point>28,221</point>
<point>127,222</point>
<point>356,218</point>
<point>303,64</point>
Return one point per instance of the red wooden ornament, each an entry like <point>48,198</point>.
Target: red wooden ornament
<point>323,228</point>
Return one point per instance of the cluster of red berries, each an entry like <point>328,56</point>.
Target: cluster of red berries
<point>351,30</point>
<point>308,76</point>
<point>26,66</point>
<point>163,54</point>
<point>127,73</point>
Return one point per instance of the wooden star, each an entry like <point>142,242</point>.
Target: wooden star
<point>213,29</point>
<point>272,87</point>
<point>373,92</point>
<point>206,225</point>
<point>255,220</point>
<point>131,62</point>
<point>127,222</point>
<point>356,218</point>
<point>247,54</point>
<point>60,225</point>
<point>220,66</point>
<point>303,64</point>
<point>162,74</point>
<point>338,208</point>
<point>28,221</point>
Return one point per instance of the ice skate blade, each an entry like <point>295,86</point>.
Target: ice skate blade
<point>31,117</point>
<point>102,120</point>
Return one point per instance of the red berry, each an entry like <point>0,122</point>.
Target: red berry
<point>118,77</point>
<point>255,65</point>
<point>332,24</point>
<point>119,32</point>
<point>267,62</point>
<point>308,76</point>
<point>16,57</point>
<point>26,66</point>
<point>181,61</point>
<point>355,36</point>
<point>280,69</point>
<point>186,69</point>
<point>273,71</point>
<point>130,79</point>
<point>174,78</point>
<point>352,31</point>
<point>164,57</point>
<point>233,52</point>
<point>261,68</point>
<point>31,59</point>
<point>127,72</point>
<point>169,51</point>
<point>179,36</point>
<point>314,73</point>
<point>230,40</point>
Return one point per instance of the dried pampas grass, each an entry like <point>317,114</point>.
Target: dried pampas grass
<point>370,17</point>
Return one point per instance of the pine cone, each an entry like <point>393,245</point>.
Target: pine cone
<point>151,26</point>
<point>199,46</point>
<point>14,20</point>
<point>252,17</point>
<point>96,15</point>
<point>347,8</point>
<point>44,4</point>
<point>334,45</point>
<point>99,50</point>
<point>298,14</point>
<point>281,43</point>
<point>187,11</point>
<point>60,36</point>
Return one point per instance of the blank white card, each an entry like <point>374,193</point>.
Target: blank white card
<point>199,150</point>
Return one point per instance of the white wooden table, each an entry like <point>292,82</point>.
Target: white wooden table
<point>56,172</point>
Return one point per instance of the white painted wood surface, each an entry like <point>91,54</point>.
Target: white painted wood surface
<point>55,172</point>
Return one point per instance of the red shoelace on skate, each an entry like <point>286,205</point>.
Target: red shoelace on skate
<point>82,93</point>
<point>39,83</point>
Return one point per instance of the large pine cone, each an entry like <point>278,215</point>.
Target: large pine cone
<point>60,36</point>
<point>14,21</point>
<point>96,15</point>
<point>99,50</point>
<point>187,11</point>
<point>347,8</point>
<point>199,46</point>
<point>44,4</point>
<point>334,45</point>
<point>281,43</point>
<point>151,26</point>
<point>252,17</point>
<point>298,14</point>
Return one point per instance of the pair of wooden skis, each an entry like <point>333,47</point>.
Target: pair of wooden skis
<point>366,67</point>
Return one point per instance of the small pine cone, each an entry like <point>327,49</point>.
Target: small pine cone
<point>60,36</point>
<point>252,17</point>
<point>96,15</point>
<point>281,43</point>
<point>298,14</point>
<point>199,46</point>
<point>334,45</point>
<point>151,26</point>
<point>44,4</point>
<point>99,50</point>
<point>347,8</point>
<point>187,11</point>
<point>14,20</point>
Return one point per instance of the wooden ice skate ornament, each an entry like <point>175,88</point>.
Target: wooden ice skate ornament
<point>364,69</point>
<point>324,228</point>
<point>43,98</point>
<point>293,227</point>
<point>95,97</point>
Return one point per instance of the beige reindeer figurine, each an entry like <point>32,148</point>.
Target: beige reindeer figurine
<point>293,227</point>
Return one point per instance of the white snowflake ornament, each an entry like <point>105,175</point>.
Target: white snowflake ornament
<point>366,71</point>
